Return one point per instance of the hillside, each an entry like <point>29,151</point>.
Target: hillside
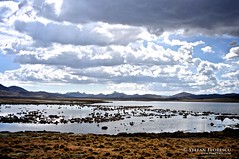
<point>15,91</point>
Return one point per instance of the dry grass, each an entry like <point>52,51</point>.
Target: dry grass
<point>58,145</point>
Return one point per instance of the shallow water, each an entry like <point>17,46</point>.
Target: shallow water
<point>133,122</point>
<point>217,107</point>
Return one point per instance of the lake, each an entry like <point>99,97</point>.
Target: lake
<point>121,116</point>
<point>216,107</point>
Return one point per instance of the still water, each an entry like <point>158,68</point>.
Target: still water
<point>189,106</point>
<point>159,117</point>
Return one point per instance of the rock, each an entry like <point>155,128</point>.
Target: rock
<point>104,127</point>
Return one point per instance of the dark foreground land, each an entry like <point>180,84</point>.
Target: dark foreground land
<point>216,145</point>
<point>78,101</point>
<point>58,101</point>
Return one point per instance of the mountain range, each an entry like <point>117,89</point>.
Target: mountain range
<point>18,92</point>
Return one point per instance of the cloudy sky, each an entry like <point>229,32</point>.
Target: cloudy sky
<point>131,46</point>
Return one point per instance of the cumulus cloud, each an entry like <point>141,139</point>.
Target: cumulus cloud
<point>177,42</point>
<point>72,59</point>
<point>232,75</point>
<point>88,34</point>
<point>209,68</point>
<point>95,56</point>
<point>7,8</point>
<point>130,46</point>
<point>139,63</point>
<point>232,54</point>
<point>207,49</point>
<point>41,73</point>
<point>3,12</point>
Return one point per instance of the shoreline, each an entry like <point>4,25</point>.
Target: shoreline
<point>53,101</point>
<point>43,144</point>
<point>227,132</point>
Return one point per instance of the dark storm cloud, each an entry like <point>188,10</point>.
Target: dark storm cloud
<point>233,43</point>
<point>205,16</point>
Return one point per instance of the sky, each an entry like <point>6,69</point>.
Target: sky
<point>131,46</point>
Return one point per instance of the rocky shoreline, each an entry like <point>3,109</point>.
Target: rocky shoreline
<point>43,144</point>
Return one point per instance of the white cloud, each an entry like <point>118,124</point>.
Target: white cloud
<point>40,73</point>
<point>207,49</point>
<point>208,71</point>
<point>129,88</point>
<point>54,43</point>
<point>232,75</point>
<point>87,34</point>
<point>94,56</point>
<point>7,8</point>
<point>233,53</point>
<point>138,63</point>
<point>176,42</point>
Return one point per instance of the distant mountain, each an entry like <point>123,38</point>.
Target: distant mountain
<point>114,95</point>
<point>18,92</point>
<point>183,95</point>
<point>15,91</point>
<point>186,95</point>
<point>218,96</point>
<point>3,88</point>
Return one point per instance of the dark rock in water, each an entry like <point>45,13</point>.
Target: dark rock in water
<point>131,123</point>
<point>220,118</point>
<point>185,115</point>
<point>104,127</point>
<point>237,125</point>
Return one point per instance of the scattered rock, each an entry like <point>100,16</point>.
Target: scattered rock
<point>104,127</point>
